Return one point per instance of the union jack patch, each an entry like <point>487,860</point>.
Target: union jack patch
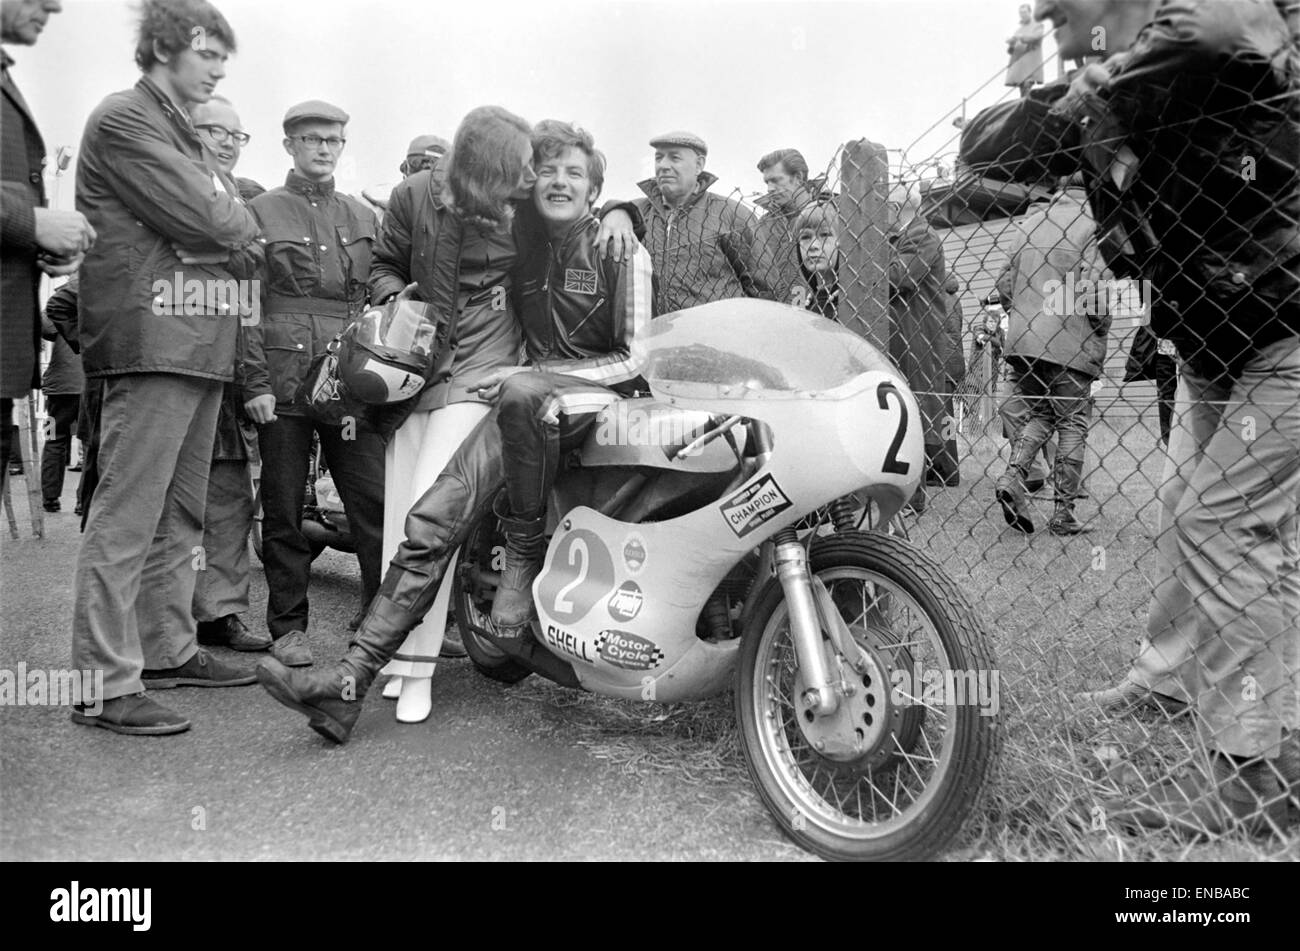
<point>576,279</point>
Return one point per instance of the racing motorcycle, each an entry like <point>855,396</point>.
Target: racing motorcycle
<point>720,533</point>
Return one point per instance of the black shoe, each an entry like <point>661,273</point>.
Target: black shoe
<point>134,715</point>
<point>201,670</point>
<point>230,631</point>
<point>52,505</point>
<point>1011,496</point>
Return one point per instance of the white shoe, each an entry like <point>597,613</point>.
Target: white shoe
<point>416,702</point>
<point>393,689</point>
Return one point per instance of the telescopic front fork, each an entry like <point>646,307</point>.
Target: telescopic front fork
<point>791,563</point>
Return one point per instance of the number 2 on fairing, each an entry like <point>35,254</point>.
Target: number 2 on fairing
<point>577,550</point>
<point>891,464</point>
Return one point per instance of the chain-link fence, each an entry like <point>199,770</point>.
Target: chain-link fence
<point>1047,283</point>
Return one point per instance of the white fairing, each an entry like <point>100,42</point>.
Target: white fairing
<point>620,601</point>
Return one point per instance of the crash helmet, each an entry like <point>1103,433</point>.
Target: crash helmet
<point>384,355</point>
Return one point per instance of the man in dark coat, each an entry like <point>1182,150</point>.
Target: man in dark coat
<point>160,334</point>
<point>33,238</point>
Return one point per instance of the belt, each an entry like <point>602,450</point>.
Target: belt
<point>317,306</point>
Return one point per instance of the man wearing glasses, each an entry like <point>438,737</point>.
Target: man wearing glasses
<point>221,591</point>
<point>224,139</point>
<point>318,245</point>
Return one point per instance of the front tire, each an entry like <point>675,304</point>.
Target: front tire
<point>897,771</point>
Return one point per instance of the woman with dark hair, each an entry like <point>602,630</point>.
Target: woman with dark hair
<point>488,170</point>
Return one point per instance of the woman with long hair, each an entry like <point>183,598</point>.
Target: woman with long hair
<point>488,170</point>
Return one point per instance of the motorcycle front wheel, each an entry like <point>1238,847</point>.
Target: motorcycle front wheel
<point>900,767</point>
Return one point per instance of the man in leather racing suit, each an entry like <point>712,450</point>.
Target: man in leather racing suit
<point>582,318</point>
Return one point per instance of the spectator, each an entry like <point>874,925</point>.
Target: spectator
<point>33,238</point>
<point>918,313</point>
<point>162,357</point>
<point>425,151</point>
<point>1025,47</point>
<point>785,173</point>
<point>1219,250</point>
<point>816,231</point>
<point>945,469</point>
<point>1055,350</point>
<point>63,382</point>
<point>318,247</point>
<point>221,592</point>
<point>1153,359</point>
<point>704,247</point>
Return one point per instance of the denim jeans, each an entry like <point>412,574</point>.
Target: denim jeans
<point>1059,401</point>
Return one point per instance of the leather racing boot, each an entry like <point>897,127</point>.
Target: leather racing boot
<point>331,698</point>
<point>512,607</point>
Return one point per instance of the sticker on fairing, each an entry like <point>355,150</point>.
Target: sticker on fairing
<point>580,575</point>
<point>625,603</point>
<point>749,508</point>
<point>628,651</point>
<point>634,552</point>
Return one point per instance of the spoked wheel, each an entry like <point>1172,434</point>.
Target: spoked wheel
<point>478,567</point>
<point>895,772</point>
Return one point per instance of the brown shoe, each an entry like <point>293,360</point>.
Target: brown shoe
<point>135,715</point>
<point>201,670</point>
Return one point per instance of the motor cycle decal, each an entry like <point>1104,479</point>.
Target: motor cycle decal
<point>752,506</point>
<point>628,651</point>
<point>568,642</point>
<point>578,578</point>
<point>634,553</point>
<point>625,603</point>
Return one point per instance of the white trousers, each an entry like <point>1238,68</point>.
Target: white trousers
<point>416,455</point>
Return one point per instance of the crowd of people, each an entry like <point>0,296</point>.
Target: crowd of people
<point>538,294</point>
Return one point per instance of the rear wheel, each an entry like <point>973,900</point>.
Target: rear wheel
<point>897,770</point>
<point>476,573</point>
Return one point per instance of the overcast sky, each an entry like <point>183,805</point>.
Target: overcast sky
<point>747,76</point>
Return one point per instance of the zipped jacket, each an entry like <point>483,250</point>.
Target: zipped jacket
<point>704,250</point>
<point>582,316</point>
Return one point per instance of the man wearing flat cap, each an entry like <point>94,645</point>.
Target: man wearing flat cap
<point>425,151</point>
<point>704,246</point>
<point>318,246</point>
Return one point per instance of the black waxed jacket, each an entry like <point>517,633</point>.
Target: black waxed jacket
<point>318,246</point>
<point>1189,154</point>
<point>142,184</point>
